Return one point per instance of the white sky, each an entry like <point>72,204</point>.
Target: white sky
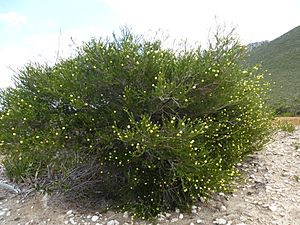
<point>35,30</point>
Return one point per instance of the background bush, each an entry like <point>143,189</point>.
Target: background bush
<point>127,119</point>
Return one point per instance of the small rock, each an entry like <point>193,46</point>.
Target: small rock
<point>220,221</point>
<point>273,208</point>
<point>199,221</point>
<point>125,215</point>
<point>95,218</point>
<point>174,220</point>
<point>192,223</point>
<point>72,221</point>
<point>168,215</point>
<point>66,222</point>
<point>113,222</point>
<point>69,212</point>
<point>223,208</point>
<point>180,216</point>
<point>177,210</point>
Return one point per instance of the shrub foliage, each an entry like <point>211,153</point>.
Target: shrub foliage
<point>149,127</point>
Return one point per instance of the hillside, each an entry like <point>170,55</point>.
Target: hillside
<point>281,57</point>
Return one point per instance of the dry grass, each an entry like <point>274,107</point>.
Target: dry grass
<point>291,120</point>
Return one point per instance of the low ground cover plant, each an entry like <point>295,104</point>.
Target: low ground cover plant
<point>149,127</point>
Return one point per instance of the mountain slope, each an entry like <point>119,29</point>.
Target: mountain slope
<point>281,57</point>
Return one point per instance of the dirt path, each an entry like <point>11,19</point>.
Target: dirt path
<point>269,195</point>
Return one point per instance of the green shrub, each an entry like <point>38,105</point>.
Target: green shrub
<point>149,127</point>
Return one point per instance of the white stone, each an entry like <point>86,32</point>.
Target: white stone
<point>125,215</point>
<point>69,212</point>
<point>223,208</point>
<point>199,221</point>
<point>95,218</point>
<point>168,214</point>
<point>220,221</point>
<point>177,210</point>
<point>72,221</point>
<point>173,220</point>
<point>273,208</point>
<point>180,216</point>
<point>192,223</point>
<point>113,222</point>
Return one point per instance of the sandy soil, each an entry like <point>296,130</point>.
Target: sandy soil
<point>270,194</point>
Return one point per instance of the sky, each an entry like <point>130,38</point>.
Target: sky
<point>42,31</point>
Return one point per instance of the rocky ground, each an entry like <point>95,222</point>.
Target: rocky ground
<point>270,194</point>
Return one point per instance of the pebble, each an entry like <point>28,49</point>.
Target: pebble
<point>194,211</point>
<point>173,220</point>
<point>69,212</point>
<point>168,215</point>
<point>125,215</point>
<point>95,218</point>
<point>199,221</point>
<point>72,221</point>
<point>180,216</point>
<point>273,208</point>
<point>223,208</point>
<point>113,222</point>
<point>220,221</point>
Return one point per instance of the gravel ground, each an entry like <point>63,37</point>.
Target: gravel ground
<point>270,194</point>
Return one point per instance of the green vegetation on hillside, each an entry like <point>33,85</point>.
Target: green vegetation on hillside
<point>281,57</point>
<point>128,120</point>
